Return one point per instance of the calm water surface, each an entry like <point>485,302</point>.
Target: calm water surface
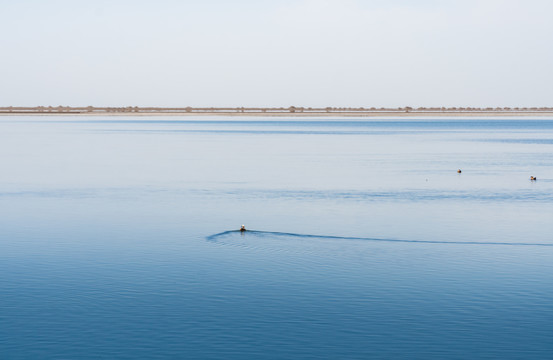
<point>115,242</point>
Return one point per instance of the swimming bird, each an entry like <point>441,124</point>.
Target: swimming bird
<point>533,178</point>
<point>242,228</point>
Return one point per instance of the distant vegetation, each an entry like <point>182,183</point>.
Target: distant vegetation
<point>260,110</point>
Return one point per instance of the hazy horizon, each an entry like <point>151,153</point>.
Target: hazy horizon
<point>277,53</point>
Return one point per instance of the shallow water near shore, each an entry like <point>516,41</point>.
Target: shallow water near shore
<point>118,238</point>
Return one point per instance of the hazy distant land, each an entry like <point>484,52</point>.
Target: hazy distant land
<point>280,111</point>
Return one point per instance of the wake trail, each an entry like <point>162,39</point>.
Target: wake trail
<point>214,237</point>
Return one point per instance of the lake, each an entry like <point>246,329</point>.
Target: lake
<point>118,241</point>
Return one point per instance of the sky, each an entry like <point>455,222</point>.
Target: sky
<point>382,53</point>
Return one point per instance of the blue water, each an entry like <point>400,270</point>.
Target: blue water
<point>118,241</point>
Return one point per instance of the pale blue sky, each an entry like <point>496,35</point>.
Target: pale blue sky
<point>277,53</point>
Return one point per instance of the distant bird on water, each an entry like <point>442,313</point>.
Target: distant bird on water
<point>533,178</point>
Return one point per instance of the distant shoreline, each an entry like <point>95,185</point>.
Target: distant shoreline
<point>297,115</point>
<point>276,112</point>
